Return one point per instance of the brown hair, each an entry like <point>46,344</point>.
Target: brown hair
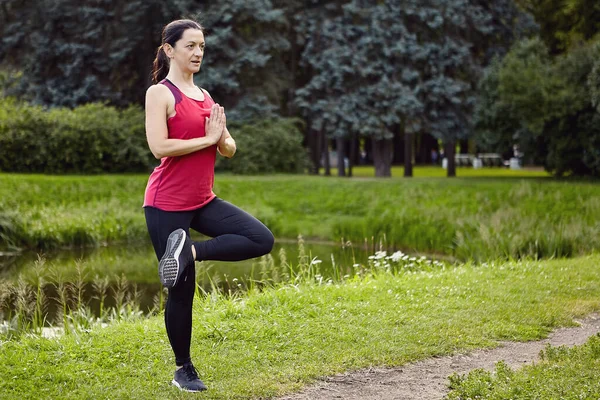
<point>171,33</point>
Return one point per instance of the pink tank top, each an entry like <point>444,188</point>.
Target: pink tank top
<point>185,182</point>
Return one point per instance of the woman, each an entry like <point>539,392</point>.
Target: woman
<point>185,129</point>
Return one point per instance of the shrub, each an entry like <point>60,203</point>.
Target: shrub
<point>266,146</point>
<point>97,138</point>
<point>93,138</point>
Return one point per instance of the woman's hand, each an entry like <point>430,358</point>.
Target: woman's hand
<point>215,124</point>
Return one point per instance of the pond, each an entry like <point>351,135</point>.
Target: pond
<point>128,273</point>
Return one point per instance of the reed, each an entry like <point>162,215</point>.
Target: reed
<point>100,287</point>
<point>119,293</point>
<point>24,305</point>
<point>41,301</point>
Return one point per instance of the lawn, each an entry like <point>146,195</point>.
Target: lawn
<point>262,344</point>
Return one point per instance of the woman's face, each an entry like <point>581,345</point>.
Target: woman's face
<point>188,51</point>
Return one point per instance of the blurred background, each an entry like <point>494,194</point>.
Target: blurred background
<point>311,86</point>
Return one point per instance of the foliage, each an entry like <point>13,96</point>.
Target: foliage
<point>564,24</point>
<point>243,63</point>
<point>88,139</point>
<point>565,373</point>
<point>266,146</point>
<point>356,86</point>
<point>544,105</point>
<point>264,344</point>
<point>73,53</point>
<point>594,85</point>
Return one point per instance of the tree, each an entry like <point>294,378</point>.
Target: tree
<point>462,37</point>
<point>396,68</point>
<point>564,23</point>
<point>72,53</point>
<point>594,85</point>
<point>544,105</point>
<point>243,63</point>
<point>355,85</point>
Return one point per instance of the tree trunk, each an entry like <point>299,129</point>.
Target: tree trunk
<point>325,151</point>
<point>383,152</point>
<point>450,147</point>
<point>341,155</point>
<point>399,151</point>
<point>463,144</point>
<point>314,143</point>
<point>369,150</point>
<point>408,147</point>
<point>353,151</point>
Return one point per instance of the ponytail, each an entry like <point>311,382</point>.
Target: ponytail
<point>160,66</point>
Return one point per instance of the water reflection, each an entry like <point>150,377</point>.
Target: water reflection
<point>136,265</point>
<point>137,262</point>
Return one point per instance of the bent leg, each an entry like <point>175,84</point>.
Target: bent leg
<point>236,235</point>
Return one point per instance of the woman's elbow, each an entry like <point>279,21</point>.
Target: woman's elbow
<point>156,152</point>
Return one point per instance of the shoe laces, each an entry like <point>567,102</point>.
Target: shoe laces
<point>190,372</point>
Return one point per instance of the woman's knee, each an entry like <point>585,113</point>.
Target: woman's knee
<point>265,242</point>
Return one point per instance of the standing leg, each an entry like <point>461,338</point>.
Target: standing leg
<point>236,234</point>
<point>178,310</point>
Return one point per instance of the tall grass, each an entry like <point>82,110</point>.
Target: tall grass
<point>26,307</point>
<point>467,218</point>
<point>25,302</point>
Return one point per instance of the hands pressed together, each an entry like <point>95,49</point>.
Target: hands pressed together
<point>216,123</point>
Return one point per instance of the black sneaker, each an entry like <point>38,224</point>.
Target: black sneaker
<point>178,255</point>
<point>186,378</point>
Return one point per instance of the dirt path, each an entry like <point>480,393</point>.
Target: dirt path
<point>428,379</point>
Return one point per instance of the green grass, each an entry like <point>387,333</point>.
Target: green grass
<point>262,344</point>
<point>563,373</point>
<point>438,172</point>
<point>468,218</point>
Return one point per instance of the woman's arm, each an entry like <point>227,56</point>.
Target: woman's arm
<point>226,145</point>
<point>157,134</point>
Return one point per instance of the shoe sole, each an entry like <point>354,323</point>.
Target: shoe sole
<point>168,267</point>
<point>177,385</point>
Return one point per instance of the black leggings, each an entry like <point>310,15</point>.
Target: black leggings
<point>236,235</point>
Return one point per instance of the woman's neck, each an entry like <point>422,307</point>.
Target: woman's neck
<point>181,79</point>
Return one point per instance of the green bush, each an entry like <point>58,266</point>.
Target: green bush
<point>96,138</point>
<point>93,138</point>
<point>266,146</point>
<point>594,85</point>
<point>546,105</point>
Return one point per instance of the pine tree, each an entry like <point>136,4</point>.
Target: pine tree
<point>381,69</point>
<point>73,52</point>
<point>243,63</point>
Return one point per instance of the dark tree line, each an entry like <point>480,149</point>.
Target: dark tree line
<point>377,72</point>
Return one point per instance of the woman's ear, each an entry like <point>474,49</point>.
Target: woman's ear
<point>168,49</point>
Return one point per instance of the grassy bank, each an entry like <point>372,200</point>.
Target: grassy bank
<point>261,344</point>
<point>469,218</point>
<point>563,373</point>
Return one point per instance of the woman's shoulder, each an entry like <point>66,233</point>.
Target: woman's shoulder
<point>160,93</point>
<point>157,90</point>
